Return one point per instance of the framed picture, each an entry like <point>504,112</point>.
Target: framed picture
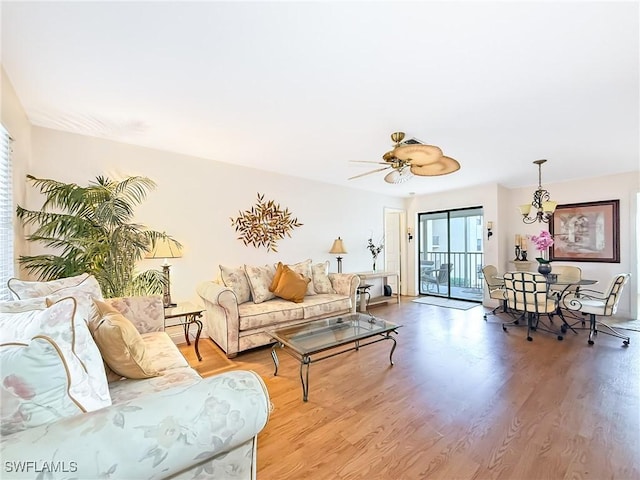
<point>586,232</point>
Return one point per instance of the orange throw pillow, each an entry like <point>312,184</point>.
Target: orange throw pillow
<point>291,285</point>
<point>276,277</point>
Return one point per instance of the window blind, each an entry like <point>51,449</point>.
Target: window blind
<point>6,214</point>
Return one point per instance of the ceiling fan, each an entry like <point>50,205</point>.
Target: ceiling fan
<point>409,158</point>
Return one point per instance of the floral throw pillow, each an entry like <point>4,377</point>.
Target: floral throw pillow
<point>22,289</point>
<point>85,347</point>
<point>321,282</point>
<point>33,386</point>
<point>304,269</point>
<point>260,279</point>
<point>42,379</point>
<point>236,280</point>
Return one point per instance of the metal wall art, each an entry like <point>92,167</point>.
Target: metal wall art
<point>264,224</point>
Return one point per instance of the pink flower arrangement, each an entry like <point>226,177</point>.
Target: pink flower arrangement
<point>542,243</point>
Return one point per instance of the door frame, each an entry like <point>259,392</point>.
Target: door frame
<point>397,232</point>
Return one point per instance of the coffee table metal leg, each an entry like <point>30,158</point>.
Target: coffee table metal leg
<point>274,355</point>
<point>305,361</point>
<point>392,348</point>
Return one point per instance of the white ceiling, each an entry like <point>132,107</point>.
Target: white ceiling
<point>303,88</point>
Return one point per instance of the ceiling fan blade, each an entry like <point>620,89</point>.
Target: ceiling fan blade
<point>418,154</point>
<point>368,161</point>
<point>369,173</point>
<point>444,166</point>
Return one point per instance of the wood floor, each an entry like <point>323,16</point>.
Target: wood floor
<point>465,400</point>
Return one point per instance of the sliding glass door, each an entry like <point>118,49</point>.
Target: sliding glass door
<point>451,245</point>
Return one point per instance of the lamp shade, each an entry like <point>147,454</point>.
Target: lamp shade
<point>338,247</point>
<point>165,248</point>
<point>398,176</point>
<point>549,206</point>
<point>525,209</point>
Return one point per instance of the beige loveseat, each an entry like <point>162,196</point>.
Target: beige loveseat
<point>62,418</point>
<point>239,309</point>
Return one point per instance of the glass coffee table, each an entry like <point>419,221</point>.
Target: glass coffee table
<point>313,338</point>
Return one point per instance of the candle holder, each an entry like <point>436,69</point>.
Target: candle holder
<point>517,259</point>
<point>523,255</point>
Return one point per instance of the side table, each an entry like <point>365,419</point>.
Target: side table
<point>364,297</point>
<point>185,314</point>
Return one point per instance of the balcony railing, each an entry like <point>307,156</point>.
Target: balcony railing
<point>467,267</point>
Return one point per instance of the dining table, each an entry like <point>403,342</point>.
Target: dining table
<point>566,285</point>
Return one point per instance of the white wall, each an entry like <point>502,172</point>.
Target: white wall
<point>195,199</point>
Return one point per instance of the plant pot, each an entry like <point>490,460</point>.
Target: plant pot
<point>544,268</point>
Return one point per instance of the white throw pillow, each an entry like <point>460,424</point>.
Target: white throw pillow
<point>23,289</point>
<point>17,306</point>
<point>24,377</point>
<point>34,386</point>
<point>321,281</point>
<point>236,280</point>
<point>21,326</point>
<point>259,281</point>
<point>84,289</point>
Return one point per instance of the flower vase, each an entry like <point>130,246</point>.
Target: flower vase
<point>544,268</point>
<point>374,265</point>
<point>544,265</point>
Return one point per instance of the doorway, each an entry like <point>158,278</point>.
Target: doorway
<point>451,253</point>
<point>394,221</point>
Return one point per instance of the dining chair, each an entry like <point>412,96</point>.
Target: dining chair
<point>495,285</point>
<point>565,275</point>
<point>437,276</point>
<point>568,273</point>
<point>599,304</point>
<point>528,294</point>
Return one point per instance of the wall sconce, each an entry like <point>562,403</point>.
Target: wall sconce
<point>409,234</point>
<point>338,248</point>
<point>489,230</point>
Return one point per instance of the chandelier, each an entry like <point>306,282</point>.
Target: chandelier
<point>542,203</point>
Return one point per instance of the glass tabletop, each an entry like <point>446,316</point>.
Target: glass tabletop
<point>331,332</point>
<point>560,280</point>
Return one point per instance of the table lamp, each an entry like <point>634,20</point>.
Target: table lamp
<point>166,248</point>
<point>338,248</point>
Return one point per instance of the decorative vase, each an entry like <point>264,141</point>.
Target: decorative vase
<point>544,268</point>
<point>374,264</point>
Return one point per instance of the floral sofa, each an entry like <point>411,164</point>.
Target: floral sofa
<point>66,414</point>
<point>240,308</point>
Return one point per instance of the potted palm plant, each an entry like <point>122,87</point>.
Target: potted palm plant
<point>90,229</point>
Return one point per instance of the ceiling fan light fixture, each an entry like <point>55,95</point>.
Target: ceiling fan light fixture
<point>398,176</point>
